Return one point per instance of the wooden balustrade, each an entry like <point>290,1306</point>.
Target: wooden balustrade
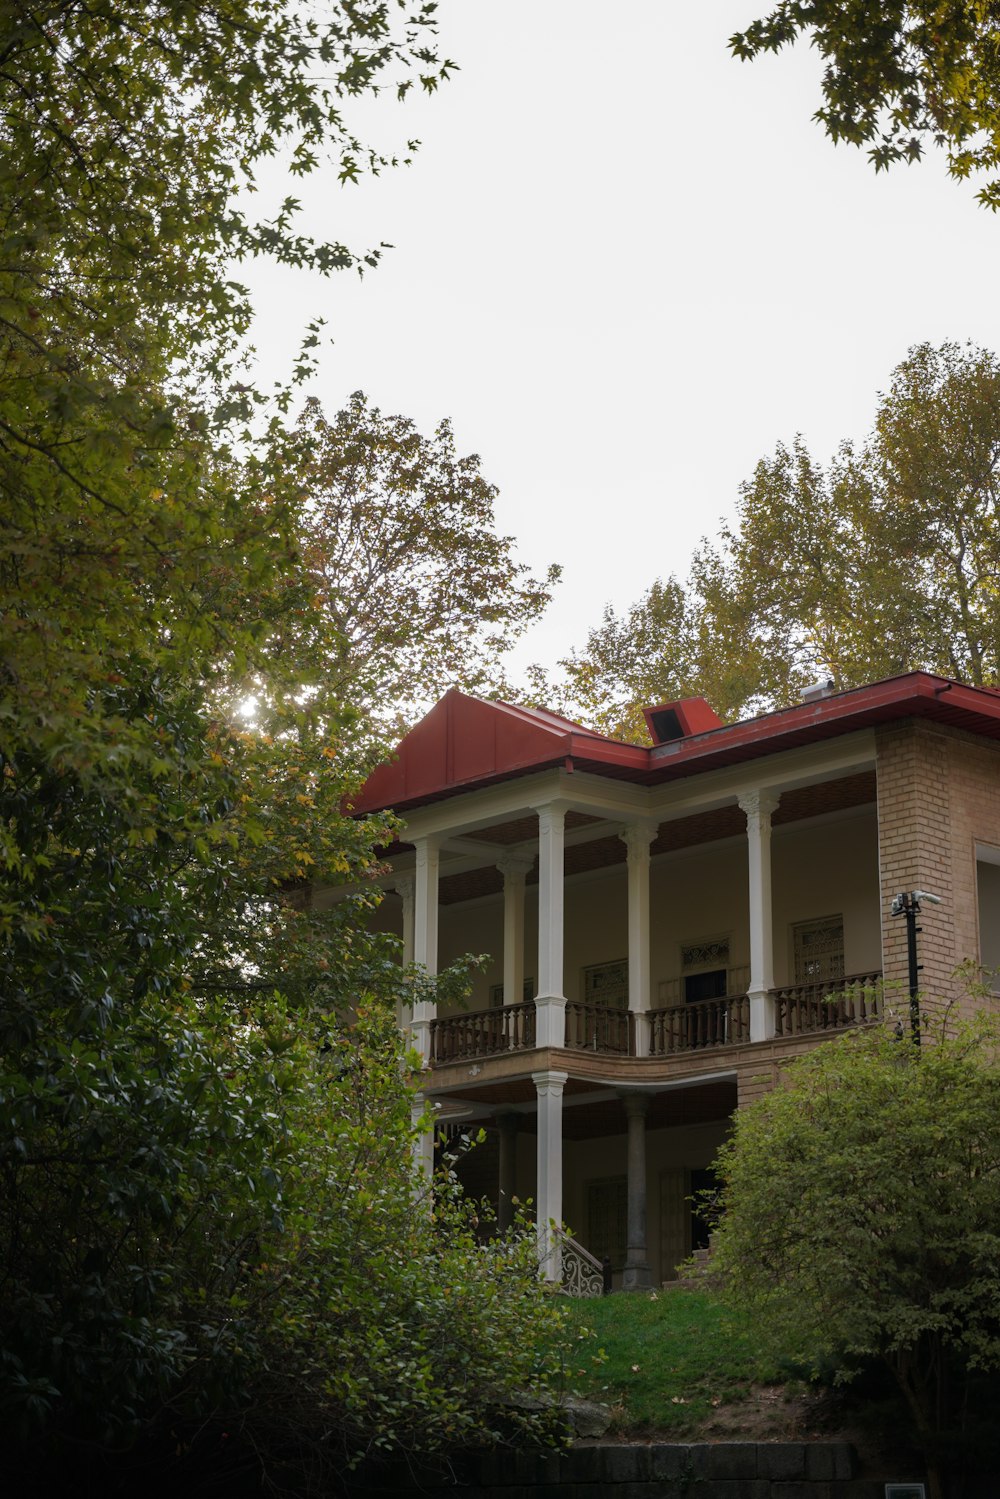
<point>702,1022</point>
<point>603,1028</point>
<point>483,1033</point>
<point>798,1009</point>
<point>852,1000</point>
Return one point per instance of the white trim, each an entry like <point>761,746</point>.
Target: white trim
<point>583,791</point>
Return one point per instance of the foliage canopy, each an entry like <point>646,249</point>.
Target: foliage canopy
<point>901,75</point>
<point>207,1209</point>
<point>415,589</point>
<point>885,561</point>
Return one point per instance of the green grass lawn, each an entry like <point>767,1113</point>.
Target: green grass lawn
<point>664,1360</point>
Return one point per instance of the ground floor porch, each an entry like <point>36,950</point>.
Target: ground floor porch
<point>618,1151</point>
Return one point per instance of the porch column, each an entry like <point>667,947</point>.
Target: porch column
<point>405,889</point>
<point>758,806</point>
<point>425,936</point>
<point>550,1004</point>
<point>514,868</point>
<point>637,837</point>
<point>548,1196</point>
<point>637,1276</point>
<point>507,1126</point>
<point>423,1145</point>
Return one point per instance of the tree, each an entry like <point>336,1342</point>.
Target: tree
<point>861,1218</point>
<point>884,562</point>
<point>901,76</point>
<point>397,533</point>
<point>176,1017</point>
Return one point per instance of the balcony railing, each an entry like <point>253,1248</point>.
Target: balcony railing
<point>699,1023</point>
<point>693,1026</point>
<point>483,1033</point>
<point>601,1028</point>
<point>832,1005</point>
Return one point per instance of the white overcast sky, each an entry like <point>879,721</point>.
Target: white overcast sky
<point>625,266</point>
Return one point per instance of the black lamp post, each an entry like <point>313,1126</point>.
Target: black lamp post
<point>907,903</point>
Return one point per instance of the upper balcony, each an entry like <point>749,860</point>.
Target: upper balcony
<point>700,1025</point>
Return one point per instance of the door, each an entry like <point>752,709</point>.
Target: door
<point>706,1025</point>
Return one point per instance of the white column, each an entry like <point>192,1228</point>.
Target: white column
<point>425,937</point>
<point>550,1005</point>
<point>758,806</point>
<point>637,837</point>
<point>405,889</point>
<point>514,868</point>
<point>423,1145</point>
<point>507,1185</point>
<point>548,1196</point>
<point>637,1275</point>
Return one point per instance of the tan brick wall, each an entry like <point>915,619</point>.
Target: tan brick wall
<point>759,1068</point>
<point>938,792</point>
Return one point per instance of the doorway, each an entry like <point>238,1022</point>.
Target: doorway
<point>706,1025</point>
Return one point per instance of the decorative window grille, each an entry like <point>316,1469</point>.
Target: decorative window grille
<point>607,1219</point>
<point>819,950</point>
<point>713,953</point>
<point>606,984</point>
<point>496,994</point>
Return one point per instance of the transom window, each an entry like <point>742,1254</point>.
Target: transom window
<point>819,949</point>
<point>712,953</point>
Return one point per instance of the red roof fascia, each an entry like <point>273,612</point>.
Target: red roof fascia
<point>916,695</point>
<point>464,741</point>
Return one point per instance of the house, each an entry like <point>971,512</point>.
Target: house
<point>663,925</point>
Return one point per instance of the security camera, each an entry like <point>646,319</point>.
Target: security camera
<point>922,895</point>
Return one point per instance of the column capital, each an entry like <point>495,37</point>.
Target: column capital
<point>550,1083</point>
<point>550,810</point>
<point>404,887</point>
<point>758,804</point>
<point>636,1104</point>
<point>637,836</point>
<point>515,867</point>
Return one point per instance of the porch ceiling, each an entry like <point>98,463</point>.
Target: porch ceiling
<point>521,830</point>
<point>684,832</point>
<point>595,1118</point>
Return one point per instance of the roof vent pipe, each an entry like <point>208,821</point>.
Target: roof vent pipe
<point>813,693</point>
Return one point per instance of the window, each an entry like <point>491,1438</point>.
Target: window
<point>988,902</point>
<point>819,950</point>
<point>496,994</point>
<point>713,953</point>
<point>607,1219</point>
<point>606,984</point>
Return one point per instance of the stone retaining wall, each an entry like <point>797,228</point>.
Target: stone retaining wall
<point>718,1470</point>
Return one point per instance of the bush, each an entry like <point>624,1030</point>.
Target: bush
<point>862,1217</point>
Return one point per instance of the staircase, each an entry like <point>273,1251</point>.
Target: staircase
<point>696,1273</point>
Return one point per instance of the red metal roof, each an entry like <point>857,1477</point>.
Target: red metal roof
<point>465,742</point>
